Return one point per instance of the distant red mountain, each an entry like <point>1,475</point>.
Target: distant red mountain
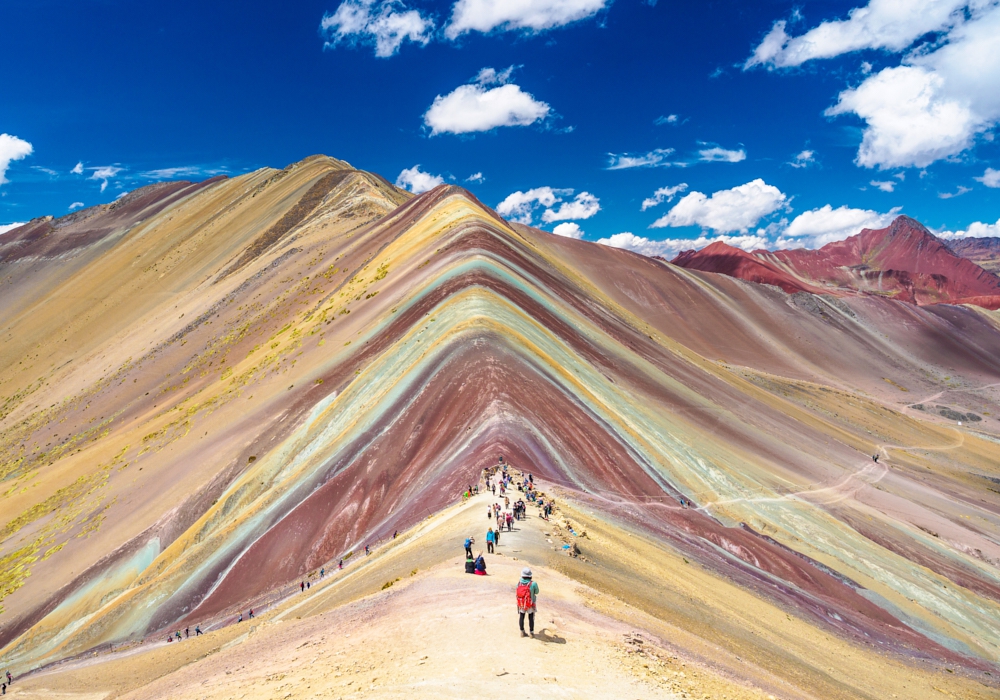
<point>904,261</point>
<point>985,252</point>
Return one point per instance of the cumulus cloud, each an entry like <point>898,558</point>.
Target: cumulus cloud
<point>943,95</point>
<point>816,228</point>
<point>668,119</point>
<point>78,168</point>
<point>582,206</point>
<point>105,173</point>
<point>991,178</point>
<point>721,155</point>
<point>521,206</point>
<point>664,194</point>
<point>11,148</point>
<point>476,177</point>
<point>417,181</point>
<point>568,230</point>
<point>513,15</point>
<point>670,247</point>
<point>384,23</point>
<point>4,228</point>
<point>479,107</point>
<point>975,230</point>
<point>656,158</point>
<point>75,205</point>
<point>803,159</point>
<point>735,209</point>
<point>884,185</point>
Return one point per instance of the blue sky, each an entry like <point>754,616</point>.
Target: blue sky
<point>770,123</point>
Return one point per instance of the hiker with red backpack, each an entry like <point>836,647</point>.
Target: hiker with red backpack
<point>527,595</point>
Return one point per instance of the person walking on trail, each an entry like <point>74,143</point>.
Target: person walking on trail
<point>240,618</point>
<point>197,631</point>
<point>322,573</point>
<point>489,513</point>
<point>3,688</point>
<point>187,632</point>
<point>251,613</point>
<point>510,522</point>
<point>489,540</point>
<point>469,541</point>
<point>527,598</point>
<point>340,565</point>
<point>302,586</point>
<point>10,679</point>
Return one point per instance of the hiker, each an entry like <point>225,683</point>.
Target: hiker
<point>302,586</point>
<point>367,551</point>
<point>178,636</point>
<point>251,613</point>
<point>489,540</point>
<point>10,679</point>
<point>322,572</point>
<point>470,564</point>
<point>197,630</point>
<point>395,534</point>
<point>875,457</point>
<point>308,585</point>
<point>527,596</point>
<point>480,565</point>
<point>469,541</point>
<point>510,522</point>
<point>187,632</point>
<point>3,688</point>
<point>489,513</point>
<point>240,618</point>
<point>340,565</point>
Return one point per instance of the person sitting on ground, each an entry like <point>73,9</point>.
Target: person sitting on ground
<point>480,565</point>
<point>527,598</point>
<point>470,564</point>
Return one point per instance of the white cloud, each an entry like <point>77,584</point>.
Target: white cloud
<point>104,174</point>
<point>4,228</point>
<point>583,206</point>
<point>664,194</point>
<point>944,94</point>
<point>669,119</point>
<point>975,230</point>
<point>668,248</point>
<point>519,206</point>
<point>75,205</point>
<point>884,185</point>
<point>11,149</point>
<point>568,230</point>
<point>736,209</point>
<point>882,24</point>
<point>816,228</point>
<point>78,168</point>
<point>384,23</point>
<point>476,177</point>
<point>171,173</point>
<point>721,155</point>
<point>511,15</point>
<point>654,159</point>
<point>417,181</point>
<point>957,193</point>
<point>472,108</point>
<point>803,159</point>
<point>991,178</point>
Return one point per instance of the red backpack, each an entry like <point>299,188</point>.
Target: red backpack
<point>523,597</point>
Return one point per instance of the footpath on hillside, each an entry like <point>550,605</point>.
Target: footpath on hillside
<point>428,630</point>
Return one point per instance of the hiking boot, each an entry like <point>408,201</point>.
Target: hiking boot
<point>523,633</point>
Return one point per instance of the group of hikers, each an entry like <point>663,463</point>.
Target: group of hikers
<point>498,479</point>
<point>3,686</point>
<point>197,630</point>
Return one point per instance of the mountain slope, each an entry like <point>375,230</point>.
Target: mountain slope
<point>277,369</point>
<point>985,252</point>
<point>903,261</point>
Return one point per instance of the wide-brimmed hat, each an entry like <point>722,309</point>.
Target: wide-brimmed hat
<point>525,572</point>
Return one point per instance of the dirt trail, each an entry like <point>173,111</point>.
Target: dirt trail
<point>433,633</point>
